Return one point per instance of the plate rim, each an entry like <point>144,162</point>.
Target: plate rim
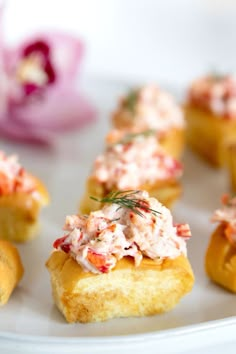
<point>118,339</point>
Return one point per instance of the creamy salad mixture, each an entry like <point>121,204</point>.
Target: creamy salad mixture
<point>135,225</point>
<point>227,215</point>
<point>150,107</point>
<point>133,163</point>
<point>216,94</point>
<point>13,177</point>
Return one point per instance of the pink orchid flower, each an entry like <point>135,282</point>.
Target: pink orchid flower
<point>38,93</point>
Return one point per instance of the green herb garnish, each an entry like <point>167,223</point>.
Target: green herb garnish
<point>217,76</point>
<point>131,136</point>
<point>127,199</point>
<point>130,100</point>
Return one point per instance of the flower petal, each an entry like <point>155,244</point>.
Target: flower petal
<point>18,132</point>
<point>66,53</point>
<point>57,107</point>
<point>62,108</point>
<point>3,77</point>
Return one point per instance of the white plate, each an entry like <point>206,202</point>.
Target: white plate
<point>30,318</point>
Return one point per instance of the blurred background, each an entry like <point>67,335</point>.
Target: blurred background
<point>169,42</point>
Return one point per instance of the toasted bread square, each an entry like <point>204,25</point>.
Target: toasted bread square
<point>19,214</point>
<point>220,260</point>
<point>11,270</point>
<point>149,289</point>
<point>208,134</point>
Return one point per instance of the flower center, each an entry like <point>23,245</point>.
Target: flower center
<point>30,70</point>
<point>35,70</point>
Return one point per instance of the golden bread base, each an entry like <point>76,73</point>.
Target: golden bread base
<point>208,135</point>
<point>11,270</point>
<point>19,214</point>
<point>220,260</point>
<point>173,142</point>
<point>149,289</point>
<point>166,191</point>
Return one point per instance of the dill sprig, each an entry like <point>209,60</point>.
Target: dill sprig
<point>131,136</point>
<point>127,199</point>
<point>217,76</point>
<point>130,100</point>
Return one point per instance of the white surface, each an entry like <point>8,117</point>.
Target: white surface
<point>31,323</point>
<point>169,41</point>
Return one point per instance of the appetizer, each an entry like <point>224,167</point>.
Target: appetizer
<point>11,270</point>
<point>220,262</point>
<point>21,197</point>
<point>211,117</point>
<point>136,161</point>
<point>151,108</point>
<point>127,259</point>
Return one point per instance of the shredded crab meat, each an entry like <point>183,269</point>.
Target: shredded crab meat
<point>130,165</point>
<point>216,94</point>
<point>150,107</point>
<point>100,239</point>
<point>13,177</point>
<point>227,215</point>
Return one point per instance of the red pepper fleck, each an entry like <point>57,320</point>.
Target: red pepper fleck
<point>143,205</point>
<point>183,231</point>
<point>127,146</point>
<point>112,227</point>
<point>65,247</point>
<point>59,241</point>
